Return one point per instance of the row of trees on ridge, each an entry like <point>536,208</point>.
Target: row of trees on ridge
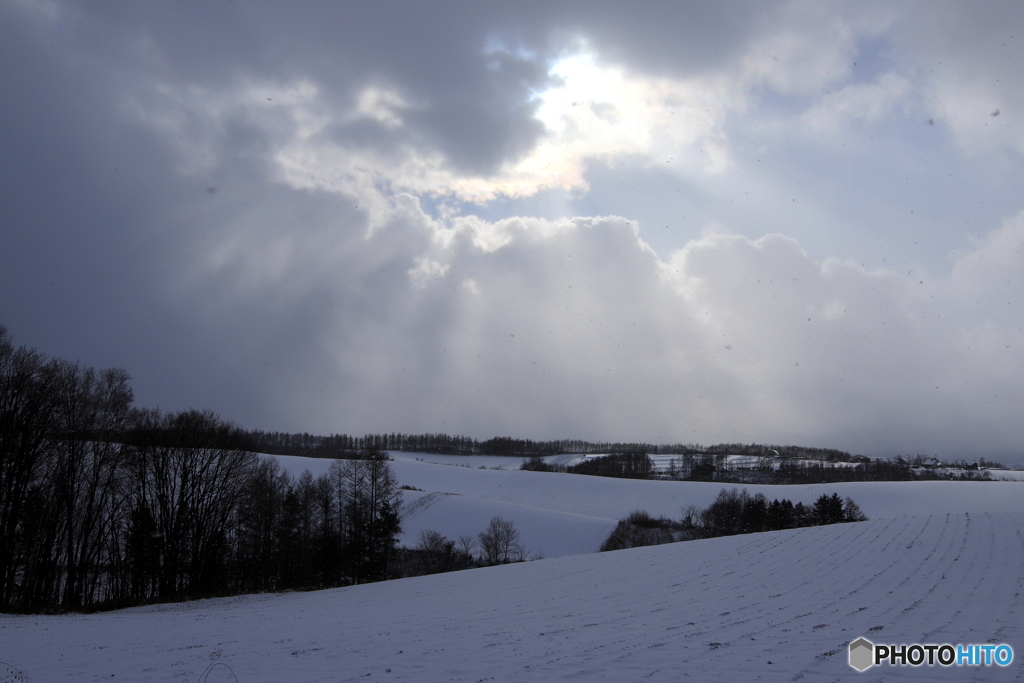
<point>342,445</point>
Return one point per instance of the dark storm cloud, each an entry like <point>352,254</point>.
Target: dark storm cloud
<point>88,216</point>
<point>471,107</point>
<point>76,187</point>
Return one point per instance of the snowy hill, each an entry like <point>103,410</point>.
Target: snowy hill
<point>566,514</point>
<point>775,606</point>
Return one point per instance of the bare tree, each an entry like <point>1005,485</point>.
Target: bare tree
<point>189,469</point>
<point>87,478</point>
<point>499,544</point>
<point>467,545</point>
<point>26,421</point>
<point>437,552</point>
<point>257,528</point>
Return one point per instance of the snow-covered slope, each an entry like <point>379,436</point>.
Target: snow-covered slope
<point>778,606</point>
<point>615,498</point>
<point>543,533</point>
<point>565,514</point>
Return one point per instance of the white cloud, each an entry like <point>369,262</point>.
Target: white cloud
<point>982,111</point>
<point>806,48</point>
<point>560,328</point>
<point>988,280</point>
<point>600,111</point>
<point>967,58</point>
<point>864,103</point>
<point>381,105</point>
<point>425,270</point>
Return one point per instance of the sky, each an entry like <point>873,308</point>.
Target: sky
<point>680,222</point>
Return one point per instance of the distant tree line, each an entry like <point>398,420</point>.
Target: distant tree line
<point>631,465</point>
<point>731,513</point>
<point>707,467</point>
<point>767,470</point>
<point>926,462</point>
<point>103,504</point>
<point>796,464</point>
<point>344,445</point>
<point>713,468</point>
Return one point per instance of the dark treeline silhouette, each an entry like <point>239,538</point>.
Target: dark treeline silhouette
<point>731,513</point>
<point>103,504</point>
<point>708,467</point>
<point>816,473</point>
<point>762,450</point>
<point>632,465</point>
<point>796,464</point>
<point>344,445</point>
<point>711,468</point>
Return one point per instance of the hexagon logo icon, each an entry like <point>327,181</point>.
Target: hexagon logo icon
<point>862,654</point>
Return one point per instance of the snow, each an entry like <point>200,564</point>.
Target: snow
<point>774,606</point>
<point>938,562</point>
<point>544,533</point>
<point>564,514</point>
<point>1006,475</point>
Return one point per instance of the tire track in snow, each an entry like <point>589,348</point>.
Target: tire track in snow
<point>422,504</point>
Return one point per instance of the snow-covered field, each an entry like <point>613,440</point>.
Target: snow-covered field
<point>778,606</point>
<point>938,562</point>
<point>565,514</point>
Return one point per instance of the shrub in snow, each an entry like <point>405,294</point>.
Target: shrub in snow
<point>640,529</point>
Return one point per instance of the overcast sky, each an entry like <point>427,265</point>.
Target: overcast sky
<point>792,222</point>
